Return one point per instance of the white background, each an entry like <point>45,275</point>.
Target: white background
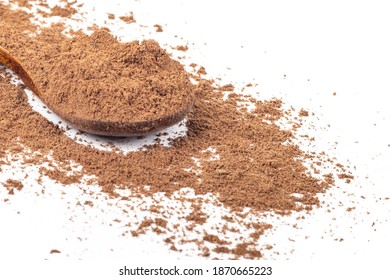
<point>300,51</point>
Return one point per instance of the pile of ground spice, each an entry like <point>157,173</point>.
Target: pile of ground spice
<point>241,156</point>
<point>97,78</point>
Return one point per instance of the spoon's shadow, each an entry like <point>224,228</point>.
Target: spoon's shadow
<point>123,144</point>
<point>130,144</point>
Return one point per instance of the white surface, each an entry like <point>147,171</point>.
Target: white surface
<point>299,51</point>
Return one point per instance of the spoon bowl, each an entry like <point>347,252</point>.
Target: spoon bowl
<point>98,127</point>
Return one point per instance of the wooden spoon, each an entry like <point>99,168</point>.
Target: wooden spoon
<point>99,127</point>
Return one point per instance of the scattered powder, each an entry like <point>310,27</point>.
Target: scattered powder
<point>201,71</point>
<point>158,28</point>
<point>55,251</point>
<point>347,177</point>
<point>182,48</point>
<point>228,87</point>
<point>127,19</point>
<point>12,185</point>
<point>257,166</point>
<point>23,3</point>
<point>303,113</point>
<point>252,156</point>
<point>66,11</point>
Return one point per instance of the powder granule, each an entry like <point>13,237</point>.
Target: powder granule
<point>127,19</point>
<point>12,185</point>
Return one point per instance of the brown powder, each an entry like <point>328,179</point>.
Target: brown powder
<point>23,3</point>
<point>213,239</point>
<point>66,11</point>
<point>158,28</point>
<point>201,71</point>
<point>12,185</point>
<point>244,161</point>
<point>182,48</point>
<point>228,87</point>
<point>303,113</point>
<point>89,75</point>
<point>127,19</point>
<point>55,251</point>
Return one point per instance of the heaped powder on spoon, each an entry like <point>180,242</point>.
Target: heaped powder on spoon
<point>97,78</point>
<point>238,156</point>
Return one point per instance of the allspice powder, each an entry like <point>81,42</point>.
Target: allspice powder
<point>97,78</point>
<point>241,156</point>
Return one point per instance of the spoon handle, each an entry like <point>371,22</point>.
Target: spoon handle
<point>14,64</point>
